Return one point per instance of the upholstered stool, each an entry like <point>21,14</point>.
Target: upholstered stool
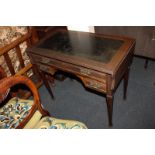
<point>14,112</point>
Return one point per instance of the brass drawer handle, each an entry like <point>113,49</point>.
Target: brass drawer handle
<point>45,60</point>
<point>95,85</point>
<point>44,68</point>
<point>84,71</point>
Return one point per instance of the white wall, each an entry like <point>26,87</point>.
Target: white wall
<point>81,28</point>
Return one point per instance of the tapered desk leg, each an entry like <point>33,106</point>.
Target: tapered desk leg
<point>109,99</point>
<point>126,78</point>
<point>45,80</point>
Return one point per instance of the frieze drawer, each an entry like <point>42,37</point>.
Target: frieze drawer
<point>94,84</point>
<point>75,69</point>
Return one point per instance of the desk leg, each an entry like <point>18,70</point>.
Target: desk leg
<point>45,80</point>
<point>109,99</point>
<point>126,78</point>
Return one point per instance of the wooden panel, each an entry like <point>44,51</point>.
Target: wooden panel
<point>121,70</point>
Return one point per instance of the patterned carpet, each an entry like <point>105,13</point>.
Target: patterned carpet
<point>137,112</point>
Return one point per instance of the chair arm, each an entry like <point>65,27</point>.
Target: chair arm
<point>9,82</point>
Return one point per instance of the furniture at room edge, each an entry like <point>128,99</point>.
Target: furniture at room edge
<point>99,61</point>
<point>144,35</point>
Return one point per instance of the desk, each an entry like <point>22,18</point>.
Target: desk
<point>100,61</point>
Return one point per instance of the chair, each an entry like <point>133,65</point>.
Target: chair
<point>15,48</point>
<point>27,114</point>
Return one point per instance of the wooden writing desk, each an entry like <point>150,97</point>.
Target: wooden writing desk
<point>100,61</point>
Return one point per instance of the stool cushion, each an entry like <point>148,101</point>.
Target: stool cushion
<point>54,123</point>
<point>12,113</point>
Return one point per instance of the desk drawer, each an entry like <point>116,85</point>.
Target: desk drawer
<point>88,82</point>
<point>64,66</point>
<point>93,84</point>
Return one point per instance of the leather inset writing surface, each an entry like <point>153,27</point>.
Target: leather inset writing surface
<point>83,45</point>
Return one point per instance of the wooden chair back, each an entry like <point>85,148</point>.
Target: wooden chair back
<point>30,38</point>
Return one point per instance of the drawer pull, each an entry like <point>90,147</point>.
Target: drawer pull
<point>95,85</point>
<point>84,71</point>
<point>44,68</point>
<point>45,60</point>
